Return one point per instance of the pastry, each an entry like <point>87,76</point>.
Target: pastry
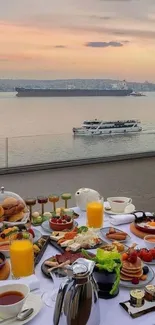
<point>16,217</point>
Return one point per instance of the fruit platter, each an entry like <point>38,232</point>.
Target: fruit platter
<point>147,255</point>
<point>145,223</point>
<point>75,240</point>
<point>133,271</point>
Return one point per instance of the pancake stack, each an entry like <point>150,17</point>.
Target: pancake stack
<point>131,270</point>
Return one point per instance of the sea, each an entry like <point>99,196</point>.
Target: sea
<point>39,130</point>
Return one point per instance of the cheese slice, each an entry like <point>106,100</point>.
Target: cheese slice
<point>74,247</point>
<point>56,238</point>
<point>67,243</point>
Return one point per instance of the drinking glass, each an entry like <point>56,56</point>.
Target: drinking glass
<point>21,255</point>
<point>58,276</point>
<point>95,214</point>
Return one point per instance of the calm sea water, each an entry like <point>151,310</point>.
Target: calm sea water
<point>40,129</point>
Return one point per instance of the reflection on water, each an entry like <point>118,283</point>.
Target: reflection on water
<point>55,117</point>
<point>49,148</point>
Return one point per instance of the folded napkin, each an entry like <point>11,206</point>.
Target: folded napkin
<point>32,281</point>
<point>120,219</point>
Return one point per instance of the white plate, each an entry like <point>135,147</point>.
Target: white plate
<point>105,230</point>
<point>141,284</point>
<point>33,301</point>
<point>37,235</point>
<point>22,222</point>
<point>129,209</point>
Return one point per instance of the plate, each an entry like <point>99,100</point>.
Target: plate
<point>37,235</point>
<point>63,249</point>
<point>129,209</point>
<point>105,230</point>
<point>44,268</point>
<point>38,256</point>
<point>140,223</point>
<point>46,227</point>
<point>141,284</point>
<point>33,301</point>
<point>22,222</point>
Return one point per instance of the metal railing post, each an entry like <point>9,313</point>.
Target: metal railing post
<point>6,152</point>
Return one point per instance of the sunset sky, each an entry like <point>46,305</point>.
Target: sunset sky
<point>50,39</point>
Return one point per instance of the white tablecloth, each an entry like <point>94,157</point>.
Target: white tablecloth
<point>111,312</point>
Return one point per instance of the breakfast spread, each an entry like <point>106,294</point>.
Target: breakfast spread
<point>114,234</point>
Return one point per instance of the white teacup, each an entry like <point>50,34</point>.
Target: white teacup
<point>118,204</point>
<point>12,310</point>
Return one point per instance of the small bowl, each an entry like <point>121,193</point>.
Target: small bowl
<point>147,241</point>
<point>60,226</point>
<point>2,256</point>
<point>5,250</point>
<point>7,311</point>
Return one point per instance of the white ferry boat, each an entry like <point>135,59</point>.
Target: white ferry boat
<point>98,127</point>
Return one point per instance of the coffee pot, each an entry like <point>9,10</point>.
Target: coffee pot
<point>77,300</point>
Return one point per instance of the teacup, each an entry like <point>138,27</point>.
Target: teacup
<point>12,309</point>
<point>118,204</point>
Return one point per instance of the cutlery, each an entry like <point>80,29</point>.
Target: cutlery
<point>21,316</point>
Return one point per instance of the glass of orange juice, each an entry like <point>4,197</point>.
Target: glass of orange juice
<point>95,214</point>
<point>21,255</point>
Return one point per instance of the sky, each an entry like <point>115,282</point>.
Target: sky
<point>56,39</point>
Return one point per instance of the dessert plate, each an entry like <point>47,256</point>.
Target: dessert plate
<point>129,209</point>
<point>141,284</point>
<point>46,227</point>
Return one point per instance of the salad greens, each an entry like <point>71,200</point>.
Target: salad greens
<point>107,261</point>
<point>82,229</point>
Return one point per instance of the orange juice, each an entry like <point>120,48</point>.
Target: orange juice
<point>95,212</point>
<point>22,258</point>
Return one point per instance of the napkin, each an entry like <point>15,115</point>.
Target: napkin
<point>120,219</point>
<point>32,281</point>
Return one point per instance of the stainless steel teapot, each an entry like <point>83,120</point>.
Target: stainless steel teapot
<point>77,300</point>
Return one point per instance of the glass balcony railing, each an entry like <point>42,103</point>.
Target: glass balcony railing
<point>28,150</point>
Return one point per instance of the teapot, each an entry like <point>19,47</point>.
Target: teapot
<point>77,300</point>
<point>85,195</point>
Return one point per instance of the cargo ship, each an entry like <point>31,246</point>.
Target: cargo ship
<point>122,90</point>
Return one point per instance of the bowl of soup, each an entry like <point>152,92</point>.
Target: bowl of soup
<point>149,241</point>
<point>12,299</point>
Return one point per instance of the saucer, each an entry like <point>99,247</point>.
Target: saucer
<point>129,209</point>
<point>37,235</point>
<point>33,301</point>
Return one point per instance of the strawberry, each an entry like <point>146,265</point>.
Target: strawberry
<point>31,232</point>
<point>152,251</point>
<point>132,257</point>
<point>147,257</point>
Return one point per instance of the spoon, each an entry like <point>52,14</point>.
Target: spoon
<point>21,316</point>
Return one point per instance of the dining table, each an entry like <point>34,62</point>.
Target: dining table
<point>111,313</point>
